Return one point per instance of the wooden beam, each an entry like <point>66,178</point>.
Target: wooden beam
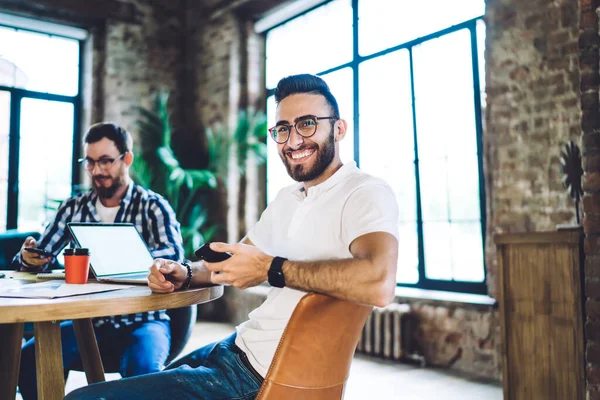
<point>89,10</point>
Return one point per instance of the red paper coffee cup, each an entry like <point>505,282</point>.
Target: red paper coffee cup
<point>77,265</point>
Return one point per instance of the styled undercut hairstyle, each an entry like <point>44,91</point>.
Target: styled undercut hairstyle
<point>306,83</point>
<point>111,131</point>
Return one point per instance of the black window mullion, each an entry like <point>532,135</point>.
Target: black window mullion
<point>355,62</point>
<point>421,250</point>
<point>77,121</point>
<point>479,131</point>
<point>14,138</point>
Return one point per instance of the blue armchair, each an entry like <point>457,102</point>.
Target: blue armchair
<point>10,243</point>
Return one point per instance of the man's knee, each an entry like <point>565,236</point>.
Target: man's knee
<point>148,351</point>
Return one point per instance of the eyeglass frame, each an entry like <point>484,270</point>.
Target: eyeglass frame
<point>300,119</point>
<point>110,162</point>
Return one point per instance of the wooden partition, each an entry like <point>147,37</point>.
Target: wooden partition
<point>541,311</point>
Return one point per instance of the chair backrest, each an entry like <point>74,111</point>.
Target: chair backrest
<point>313,359</point>
<point>10,243</point>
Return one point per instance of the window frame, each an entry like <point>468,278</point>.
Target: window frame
<point>357,59</point>
<point>16,96</point>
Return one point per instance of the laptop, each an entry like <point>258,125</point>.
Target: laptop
<point>118,252</point>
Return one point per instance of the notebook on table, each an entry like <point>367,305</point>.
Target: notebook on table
<point>118,252</point>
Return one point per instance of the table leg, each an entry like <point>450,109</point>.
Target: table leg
<point>48,360</point>
<point>88,348</point>
<point>10,349</point>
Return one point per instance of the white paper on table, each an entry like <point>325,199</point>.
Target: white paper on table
<point>54,288</point>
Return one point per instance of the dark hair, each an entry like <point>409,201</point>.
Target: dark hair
<point>111,131</point>
<point>306,83</point>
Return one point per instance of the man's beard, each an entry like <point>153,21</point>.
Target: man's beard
<point>108,192</point>
<point>325,155</point>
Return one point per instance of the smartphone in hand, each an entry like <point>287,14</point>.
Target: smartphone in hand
<point>40,252</point>
<point>205,253</point>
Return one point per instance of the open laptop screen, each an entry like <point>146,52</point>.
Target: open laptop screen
<point>115,248</point>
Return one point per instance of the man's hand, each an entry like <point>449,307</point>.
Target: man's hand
<point>246,268</point>
<point>166,276</point>
<point>31,260</point>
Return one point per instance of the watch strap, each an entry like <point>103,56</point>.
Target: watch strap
<point>276,277</point>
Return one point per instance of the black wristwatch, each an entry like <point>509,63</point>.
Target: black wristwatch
<point>275,274</point>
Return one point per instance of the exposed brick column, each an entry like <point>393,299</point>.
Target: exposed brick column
<point>590,126</point>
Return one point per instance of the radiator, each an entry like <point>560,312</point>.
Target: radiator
<point>389,333</point>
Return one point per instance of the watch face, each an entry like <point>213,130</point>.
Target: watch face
<point>276,278</point>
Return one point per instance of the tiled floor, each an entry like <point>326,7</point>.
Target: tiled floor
<point>369,379</point>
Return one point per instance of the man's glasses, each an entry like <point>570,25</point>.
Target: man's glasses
<point>104,163</point>
<point>306,127</point>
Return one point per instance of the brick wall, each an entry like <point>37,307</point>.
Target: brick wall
<point>590,127</point>
<point>140,58</point>
<point>532,85</point>
<point>462,337</point>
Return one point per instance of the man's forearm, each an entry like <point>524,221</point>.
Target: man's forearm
<point>200,275</point>
<point>357,280</point>
<point>369,277</point>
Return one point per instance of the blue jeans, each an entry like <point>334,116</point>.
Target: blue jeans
<point>218,371</point>
<point>142,348</point>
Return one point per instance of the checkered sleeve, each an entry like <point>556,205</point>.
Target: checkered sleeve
<point>164,229</point>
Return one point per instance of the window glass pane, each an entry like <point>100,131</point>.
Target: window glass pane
<point>444,96</point>
<point>481,60</point>
<point>467,252</point>
<point>463,185</point>
<point>311,43</point>
<point>438,250</point>
<point>434,189</point>
<point>39,62</point>
<point>408,253</point>
<point>384,24</point>
<point>386,127</point>
<point>341,85</point>
<point>4,127</point>
<point>445,124</point>
<point>45,159</point>
<point>387,145</point>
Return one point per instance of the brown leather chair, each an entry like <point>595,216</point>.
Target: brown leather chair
<point>312,361</point>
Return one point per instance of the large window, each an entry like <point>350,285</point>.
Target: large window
<point>39,112</point>
<point>409,80</point>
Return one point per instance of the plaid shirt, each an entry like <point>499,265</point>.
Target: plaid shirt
<point>148,211</point>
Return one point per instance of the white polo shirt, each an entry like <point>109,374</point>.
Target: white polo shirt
<point>320,226</point>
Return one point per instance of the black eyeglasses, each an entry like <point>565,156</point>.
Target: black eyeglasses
<point>104,163</point>
<point>305,126</point>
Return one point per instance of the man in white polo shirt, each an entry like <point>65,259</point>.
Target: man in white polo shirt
<point>334,232</point>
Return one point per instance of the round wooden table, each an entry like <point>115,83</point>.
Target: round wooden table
<point>46,315</point>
